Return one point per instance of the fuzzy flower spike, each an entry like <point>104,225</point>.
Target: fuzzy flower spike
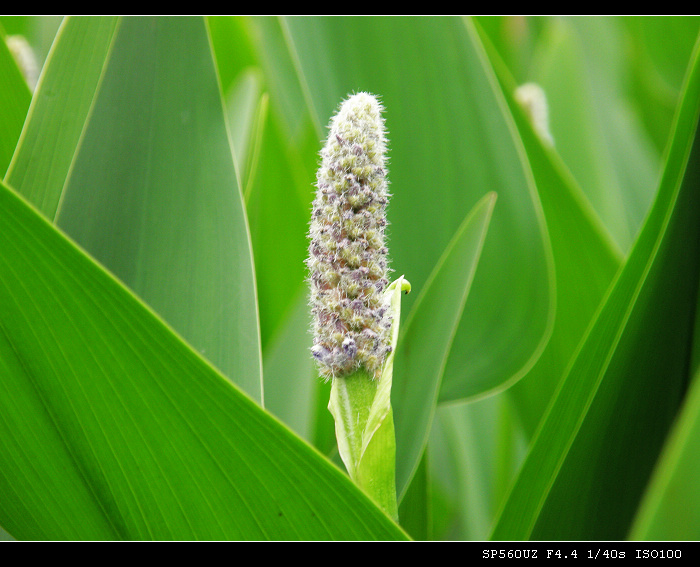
<point>347,253</point>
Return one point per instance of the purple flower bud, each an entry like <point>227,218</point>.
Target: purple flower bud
<point>349,347</point>
<point>319,352</point>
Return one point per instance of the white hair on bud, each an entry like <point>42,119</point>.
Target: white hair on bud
<point>347,254</point>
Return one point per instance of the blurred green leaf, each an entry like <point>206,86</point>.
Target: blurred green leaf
<point>247,108</point>
<point>415,508</point>
<point>581,64</point>
<point>291,377</point>
<point>594,453</point>
<point>279,188</point>
<point>39,31</point>
<point>475,451</point>
<point>14,103</point>
<point>427,336</point>
<point>657,52</point>
<point>585,256</point>
<point>279,223</point>
<point>670,509</point>
<point>670,505</point>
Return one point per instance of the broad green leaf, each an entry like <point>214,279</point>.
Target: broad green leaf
<point>146,181</point>
<point>594,453</point>
<point>427,336</point>
<point>14,103</point>
<point>450,143</point>
<point>585,257</point>
<point>279,194</point>
<point>112,428</point>
<point>290,372</point>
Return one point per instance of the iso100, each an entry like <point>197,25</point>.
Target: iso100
<point>658,553</point>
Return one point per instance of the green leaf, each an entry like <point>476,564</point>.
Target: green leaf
<point>595,127</point>
<point>279,209</point>
<point>496,342</point>
<point>594,453</point>
<point>585,258</point>
<point>60,106</point>
<point>290,373</point>
<point>657,66</point>
<point>415,508</point>
<point>475,450</point>
<point>670,509</point>
<point>145,180</point>
<point>39,32</point>
<point>113,428</point>
<point>247,109</point>
<point>670,505</point>
<point>278,190</point>
<point>427,337</point>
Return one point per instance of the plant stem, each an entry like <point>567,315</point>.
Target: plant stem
<point>364,420</point>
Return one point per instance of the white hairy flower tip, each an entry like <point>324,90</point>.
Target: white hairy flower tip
<point>533,100</point>
<point>347,254</point>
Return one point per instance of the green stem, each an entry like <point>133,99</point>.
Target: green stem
<point>368,448</point>
<point>364,421</point>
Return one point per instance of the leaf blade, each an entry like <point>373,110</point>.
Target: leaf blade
<point>629,348</point>
<point>163,445</point>
<point>141,174</point>
<point>426,339</point>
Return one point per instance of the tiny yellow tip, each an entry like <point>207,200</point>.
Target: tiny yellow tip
<point>405,284</point>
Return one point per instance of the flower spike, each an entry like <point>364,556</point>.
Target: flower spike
<point>347,254</point>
